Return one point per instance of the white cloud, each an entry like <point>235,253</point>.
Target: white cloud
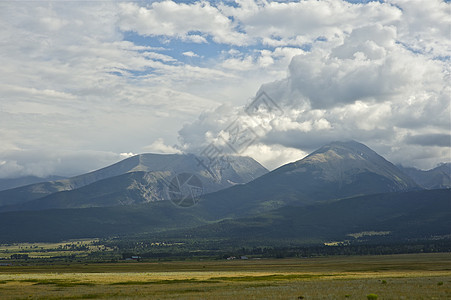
<point>425,26</point>
<point>76,84</point>
<point>159,146</point>
<point>190,54</point>
<point>126,155</point>
<point>194,38</point>
<point>240,64</point>
<point>375,72</point>
<point>273,156</point>
<point>369,66</point>
<point>297,23</point>
<point>369,88</point>
<point>159,56</point>
<point>64,163</point>
<point>180,20</point>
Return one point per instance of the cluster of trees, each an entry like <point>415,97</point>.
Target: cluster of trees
<point>359,249</point>
<point>19,256</point>
<point>72,247</point>
<point>281,252</point>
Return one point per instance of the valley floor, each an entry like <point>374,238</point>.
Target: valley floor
<point>410,276</point>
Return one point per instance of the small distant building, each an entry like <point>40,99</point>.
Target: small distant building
<point>231,258</point>
<point>244,257</point>
<point>134,257</point>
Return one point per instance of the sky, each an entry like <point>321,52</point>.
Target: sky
<point>84,84</point>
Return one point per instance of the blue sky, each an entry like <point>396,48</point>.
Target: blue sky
<point>85,84</point>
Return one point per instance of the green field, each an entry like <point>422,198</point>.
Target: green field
<point>410,276</point>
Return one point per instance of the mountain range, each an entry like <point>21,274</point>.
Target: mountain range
<point>436,178</point>
<point>341,189</point>
<point>335,171</point>
<point>141,178</point>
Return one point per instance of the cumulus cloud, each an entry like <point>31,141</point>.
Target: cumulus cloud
<point>370,87</point>
<point>302,22</point>
<point>368,66</point>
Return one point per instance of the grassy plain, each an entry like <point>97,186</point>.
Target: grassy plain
<point>410,276</point>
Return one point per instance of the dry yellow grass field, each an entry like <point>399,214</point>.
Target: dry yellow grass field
<point>413,276</point>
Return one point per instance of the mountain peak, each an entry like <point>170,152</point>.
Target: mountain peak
<point>339,152</point>
<point>347,147</point>
<point>347,161</point>
<point>335,171</point>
